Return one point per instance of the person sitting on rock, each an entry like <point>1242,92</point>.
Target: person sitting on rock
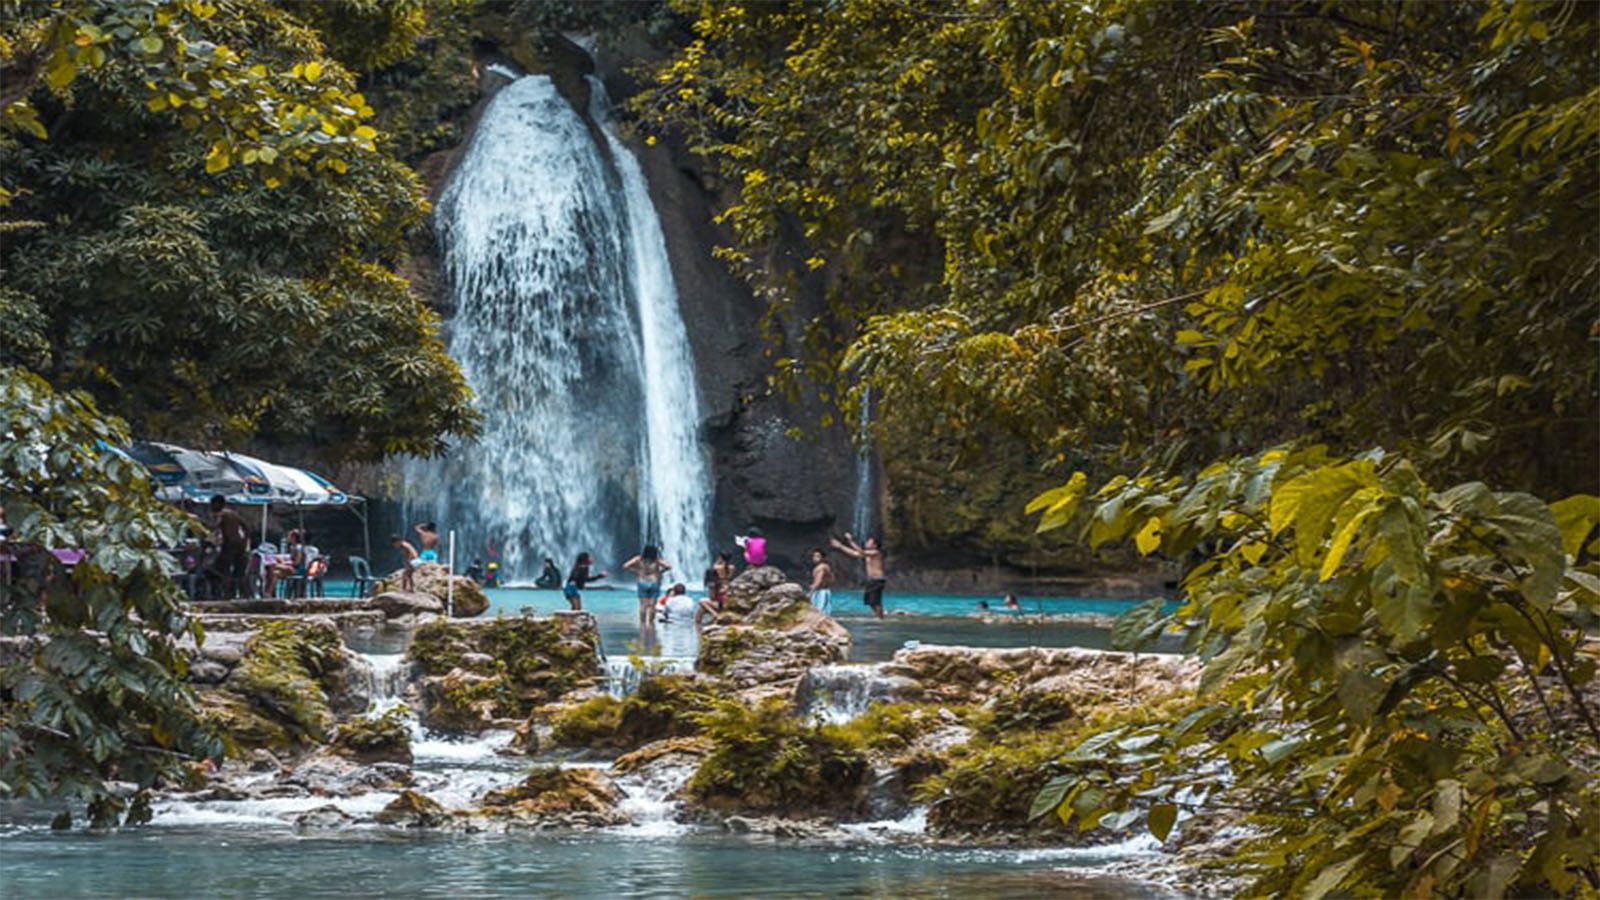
<point>412,560</point>
<point>550,577</point>
<point>716,593</point>
<point>475,571</point>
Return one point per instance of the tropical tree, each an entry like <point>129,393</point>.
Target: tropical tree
<point>203,229</point>
<point>1167,232</point>
<point>1160,238</point>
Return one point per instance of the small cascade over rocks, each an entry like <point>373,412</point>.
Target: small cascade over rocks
<point>838,693</point>
<point>623,675</point>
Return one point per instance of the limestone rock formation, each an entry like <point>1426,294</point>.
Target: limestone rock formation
<point>407,603</point>
<point>769,635</point>
<point>1085,677</point>
<point>556,798</point>
<point>466,596</point>
<point>412,810</point>
<point>495,672</point>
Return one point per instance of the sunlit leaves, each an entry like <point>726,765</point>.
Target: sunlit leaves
<point>1403,668</point>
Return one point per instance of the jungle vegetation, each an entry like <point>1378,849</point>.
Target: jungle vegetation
<point>1307,293</point>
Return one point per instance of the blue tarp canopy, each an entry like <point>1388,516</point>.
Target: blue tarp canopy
<point>184,474</point>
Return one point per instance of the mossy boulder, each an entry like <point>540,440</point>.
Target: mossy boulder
<point>385,738</point>
<point>278,694</point>
<point>465,596</point>
<point>664,706</point>
<point>412,810</point>
<point>556,797</point>
<point>243,727</point>
<point>764,759</point>
<point>487,673</point>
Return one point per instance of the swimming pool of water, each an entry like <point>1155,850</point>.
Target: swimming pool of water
<point>156,861</point>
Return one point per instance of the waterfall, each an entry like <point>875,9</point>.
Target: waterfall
<point>863,514</point>
<point>623,677</point>
<point>676,496</point>
<point>568,329</point>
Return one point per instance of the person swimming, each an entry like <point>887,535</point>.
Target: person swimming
<point>550,577</point>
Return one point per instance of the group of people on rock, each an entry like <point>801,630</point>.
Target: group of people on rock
<point>650,571</point>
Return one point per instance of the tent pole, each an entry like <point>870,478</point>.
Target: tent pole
<point>450,580</point>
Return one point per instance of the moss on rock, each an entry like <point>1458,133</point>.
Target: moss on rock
<point>766,760</point>
<point>283,677</point>
<point>477,673</point>
<point>385,738</point>
<point>551,795</point>
<point>664,706</point>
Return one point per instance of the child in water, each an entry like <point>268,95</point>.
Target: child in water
<point>755,547</point>
<point>578,578</point>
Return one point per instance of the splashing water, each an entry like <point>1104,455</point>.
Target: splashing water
<point>568,330</point>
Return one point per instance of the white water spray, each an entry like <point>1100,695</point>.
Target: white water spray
<point>567,327</point>
<point>675,503</point>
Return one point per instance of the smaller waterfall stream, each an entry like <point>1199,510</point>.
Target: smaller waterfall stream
<point>863,515</point>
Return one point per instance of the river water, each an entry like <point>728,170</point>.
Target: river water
<point>267,862</point>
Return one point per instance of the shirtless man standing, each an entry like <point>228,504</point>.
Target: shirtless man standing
<point>235,540</point>
<point>411,563</point>
<point>871,557</point>
<point>821,582</point>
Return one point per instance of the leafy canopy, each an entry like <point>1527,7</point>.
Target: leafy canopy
<point>1168,232</point>
<point>206,234</point>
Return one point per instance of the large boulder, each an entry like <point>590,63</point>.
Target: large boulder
<point>384,738</point>
<point>1081,677</point>
<point>554,797</point>
<point>412,810</point>
<point>465,596</point>
<point>496,672</point>
<point>407,603</point>
<point>748,586</point>
<point>769,639</point>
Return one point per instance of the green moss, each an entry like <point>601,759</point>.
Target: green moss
<point>592,723</point>
<point>765,760</point>
<point>242,727</point>
<point>284,672</point>
<point>385,738</point>
<point>1024,710</point>
<point>554,790</point>
<point>664,706</point>
<point>888,727</point>
<point>534,661</point>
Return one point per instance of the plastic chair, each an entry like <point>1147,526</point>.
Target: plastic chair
<point>362,575</point>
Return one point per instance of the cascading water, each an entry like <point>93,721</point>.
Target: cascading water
<point>676,492</point>
<point>863,518</point>
<point>566,325</point>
